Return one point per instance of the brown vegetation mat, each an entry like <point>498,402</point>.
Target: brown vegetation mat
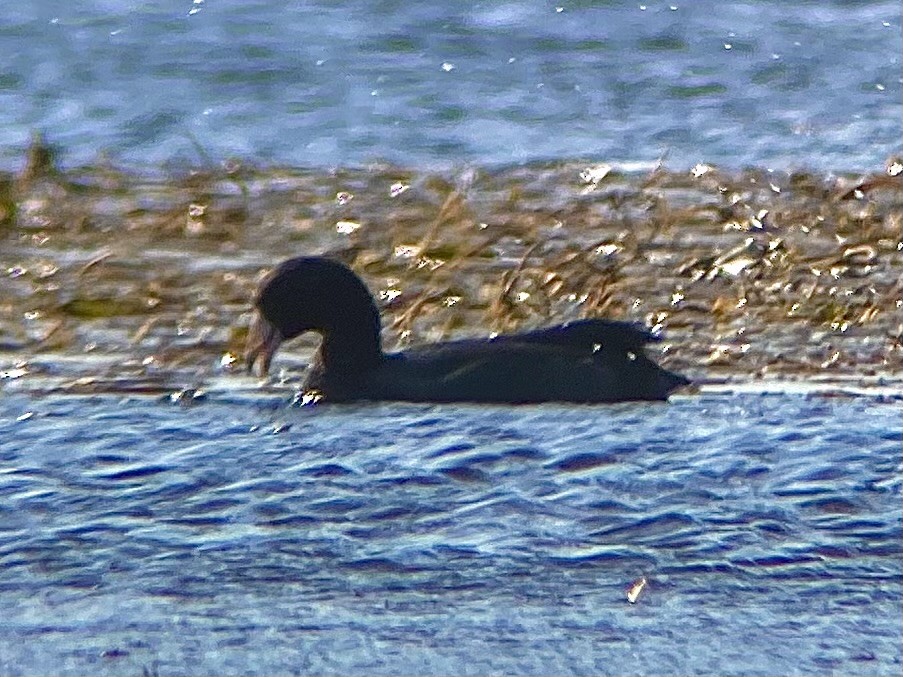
<point>108,274</point>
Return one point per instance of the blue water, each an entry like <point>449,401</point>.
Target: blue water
<point>761,82</point>
<point>240,535</point>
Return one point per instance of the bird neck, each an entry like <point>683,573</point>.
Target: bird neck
<point>353,343</point>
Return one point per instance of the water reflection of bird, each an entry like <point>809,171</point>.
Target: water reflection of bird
<point>583,361</point>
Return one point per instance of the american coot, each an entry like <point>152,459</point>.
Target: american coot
<point>583,361</point>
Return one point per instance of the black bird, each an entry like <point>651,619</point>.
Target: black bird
<point>582,361</point>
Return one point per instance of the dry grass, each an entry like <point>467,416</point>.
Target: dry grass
<point>749,273</point>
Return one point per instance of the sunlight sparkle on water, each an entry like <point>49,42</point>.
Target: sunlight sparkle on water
<point>397,189</point>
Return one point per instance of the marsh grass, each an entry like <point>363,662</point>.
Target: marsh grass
<point>109,274</point>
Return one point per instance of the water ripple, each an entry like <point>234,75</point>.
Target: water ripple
<point>399,522</point>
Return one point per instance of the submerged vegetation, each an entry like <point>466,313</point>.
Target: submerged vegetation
<point>124,279</point>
